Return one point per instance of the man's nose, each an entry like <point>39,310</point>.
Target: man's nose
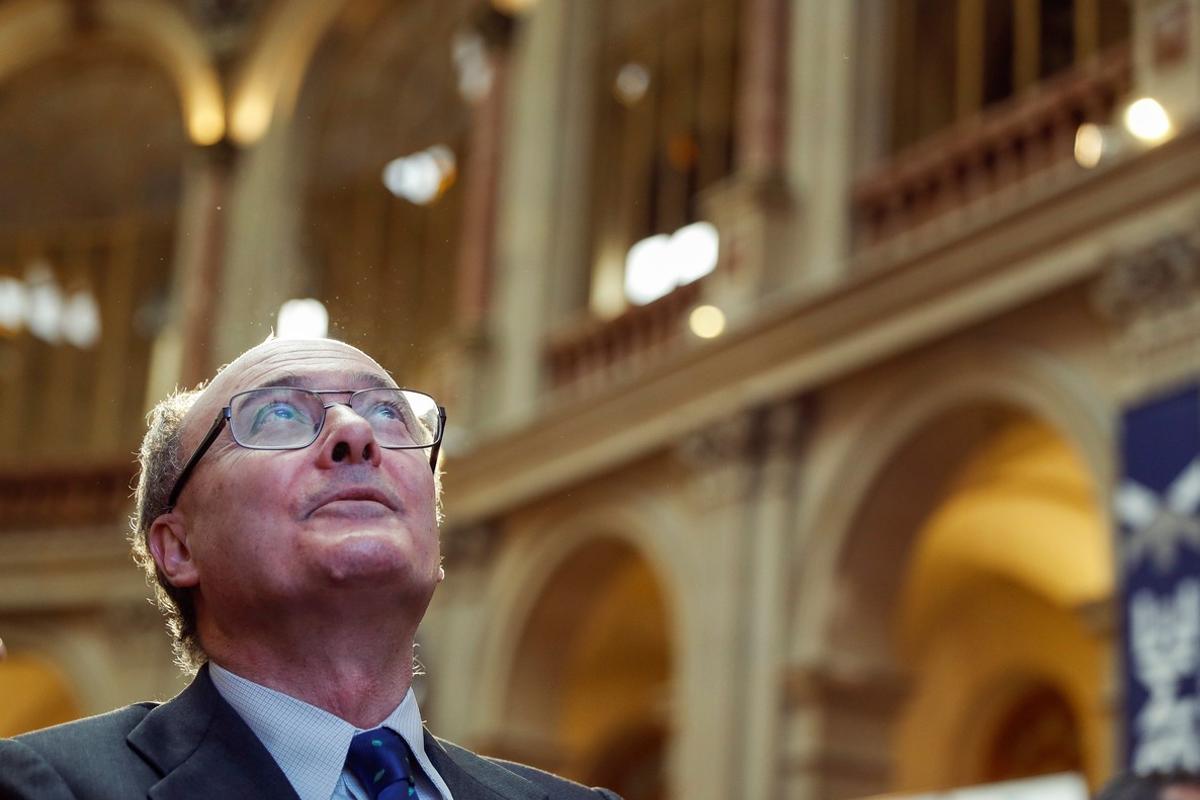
<point>349,439</point>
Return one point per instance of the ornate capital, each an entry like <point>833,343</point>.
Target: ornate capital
<point>1151,299</point>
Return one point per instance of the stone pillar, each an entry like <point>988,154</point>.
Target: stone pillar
<point>730,723</point>
<point>778,442</point>
<point>184,351</point>
<point>709,713</point>
<point>837,737</point>
<point>753,208</point>
<point>527,213</point>
<point>1166,55</point>
<point>266,258</point>
<point>477,250</point>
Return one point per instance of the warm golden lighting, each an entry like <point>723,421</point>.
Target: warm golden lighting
<point>514,7</point>
<point>1089,145</point>
<point>250,118</point>
<point>1147,120</point>
<point>206,125</point>
<point>707,322</point>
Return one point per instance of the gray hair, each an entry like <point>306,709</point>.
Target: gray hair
<point>161,460</point>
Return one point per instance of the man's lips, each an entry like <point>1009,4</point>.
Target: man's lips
<point>353,494</point>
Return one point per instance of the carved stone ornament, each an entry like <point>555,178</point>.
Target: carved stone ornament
<point>1151,298</point>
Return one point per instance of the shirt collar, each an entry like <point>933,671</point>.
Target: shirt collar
<point>309,743</point>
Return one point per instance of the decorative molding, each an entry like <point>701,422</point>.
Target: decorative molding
<point>1151,300</point>
<point>865,693</point>
<point>68,496</point>
<point>803,341</point>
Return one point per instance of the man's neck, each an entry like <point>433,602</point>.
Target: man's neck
<point>358,676</point>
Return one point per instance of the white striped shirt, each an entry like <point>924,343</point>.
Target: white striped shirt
<point>310,745</point>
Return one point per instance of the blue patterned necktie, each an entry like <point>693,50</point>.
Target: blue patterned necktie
<point>381,761</point>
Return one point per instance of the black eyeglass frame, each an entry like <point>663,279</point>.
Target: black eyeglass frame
<point>226,414</point>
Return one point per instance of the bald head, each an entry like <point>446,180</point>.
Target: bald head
<point>266,362</point>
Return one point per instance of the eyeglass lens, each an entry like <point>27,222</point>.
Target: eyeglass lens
<point>289,417</point>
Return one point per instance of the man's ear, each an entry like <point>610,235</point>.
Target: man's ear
<point>168,541</point>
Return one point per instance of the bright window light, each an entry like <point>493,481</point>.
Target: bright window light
<point>421,177</point>
<point>80,321</point>
<point>1147,120</point>
<point>694,249</point>
<point>656,265</point>
<point>648,270</point>
<point>12,304</point>
<point>302,319</point>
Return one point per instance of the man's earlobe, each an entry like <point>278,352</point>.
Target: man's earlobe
<point>168,542</point>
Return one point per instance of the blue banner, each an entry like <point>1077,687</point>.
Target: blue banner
<point>1156,507</point>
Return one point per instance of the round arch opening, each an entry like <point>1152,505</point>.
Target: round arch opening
<point>590,688</point>
<point>1004,573</point>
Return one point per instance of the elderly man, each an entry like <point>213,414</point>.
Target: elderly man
<point>288,515</point>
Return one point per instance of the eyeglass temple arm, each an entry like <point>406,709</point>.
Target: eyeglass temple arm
<point>209,438</point>
<point>437,446</point>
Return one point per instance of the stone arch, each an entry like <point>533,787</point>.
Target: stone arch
<point>31,30</point>
<point>870,518</point>
<point>269,82</point>
<point>582,545</point>
<point>969,391</point>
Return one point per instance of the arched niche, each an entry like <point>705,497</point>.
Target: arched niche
<point>33,30</point>
<point>585,682</point>
<point>34,694</point>
<point>91,147</point>
<point>920,449</point>
<point>994,628</point>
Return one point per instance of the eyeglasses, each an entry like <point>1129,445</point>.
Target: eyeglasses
<point>287,418</point>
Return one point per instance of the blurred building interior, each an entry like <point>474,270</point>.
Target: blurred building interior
<point>784,345</point>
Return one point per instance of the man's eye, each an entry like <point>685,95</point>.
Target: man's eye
<point>282,411</point>
<point>275,413</point>
<point>386,410</point>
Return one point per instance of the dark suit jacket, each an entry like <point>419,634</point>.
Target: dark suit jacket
<point>196,746</point>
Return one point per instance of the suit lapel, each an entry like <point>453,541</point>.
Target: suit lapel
<point>203,749</point>
<point>470,777</point>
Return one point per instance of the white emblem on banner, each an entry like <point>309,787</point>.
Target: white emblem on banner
<point>1158,525</point>
<point>1164,637</point>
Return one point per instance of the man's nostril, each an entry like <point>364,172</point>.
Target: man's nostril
<point>340,451</point>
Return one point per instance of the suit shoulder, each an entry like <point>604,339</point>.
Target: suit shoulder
<point>556,787</point>
<point>91,732</point>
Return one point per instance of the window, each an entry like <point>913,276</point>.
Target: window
<point>666,94</point>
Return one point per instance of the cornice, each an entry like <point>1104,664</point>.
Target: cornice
<point>926,288</point>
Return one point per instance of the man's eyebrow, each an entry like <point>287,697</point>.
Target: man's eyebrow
<point>367,380</point>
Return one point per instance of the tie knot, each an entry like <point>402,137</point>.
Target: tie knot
<point>381,761</point>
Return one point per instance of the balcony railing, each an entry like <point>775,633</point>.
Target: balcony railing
<point>1000,148</point>
<point>600,351</point>
<point>64,497</point>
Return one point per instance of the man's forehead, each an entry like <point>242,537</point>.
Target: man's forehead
<point>315,363</point>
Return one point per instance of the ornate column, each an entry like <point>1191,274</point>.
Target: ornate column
<point>732,676</point>
<point>777,449</point>
<point>753,209</point>
<point>709,710</point>
<point>837,737</point>
<point>183,352</point>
